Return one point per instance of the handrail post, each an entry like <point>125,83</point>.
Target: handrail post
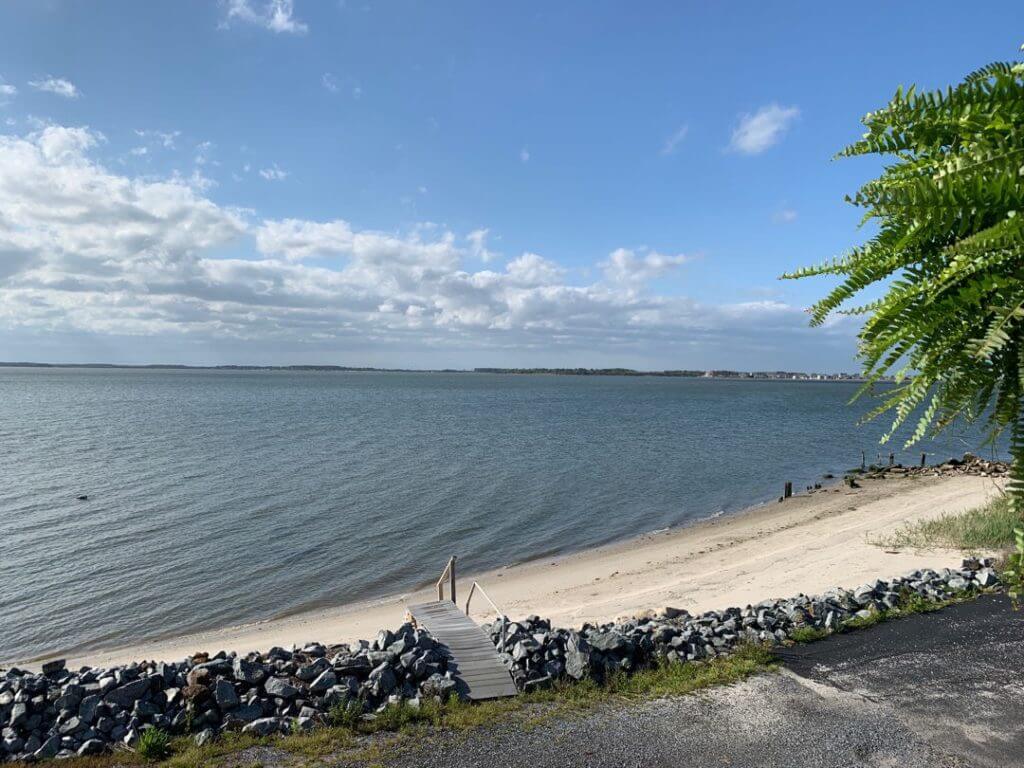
<point>451,577</point>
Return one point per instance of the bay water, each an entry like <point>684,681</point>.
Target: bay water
<point>222,497</point>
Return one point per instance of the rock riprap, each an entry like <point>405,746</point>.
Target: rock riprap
<point>539,654</point>
<point>970,465</point>
<point>59,712</point>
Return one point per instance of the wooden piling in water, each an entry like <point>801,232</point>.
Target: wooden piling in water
<point>924,458</point>
<point>788,490</point>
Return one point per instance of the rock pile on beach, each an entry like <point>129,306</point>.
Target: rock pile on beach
<point>968,465</point>
<point>59,712</point>
<point>538,654</point>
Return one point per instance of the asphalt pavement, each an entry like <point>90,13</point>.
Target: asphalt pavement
<point>940,689</point>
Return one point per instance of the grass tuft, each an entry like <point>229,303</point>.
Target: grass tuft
<point>154,744</point>
<point>808,634</point>
<point>985,528</point>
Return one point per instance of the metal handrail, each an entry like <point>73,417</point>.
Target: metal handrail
<point>501,614</point>
<point>449,571</point>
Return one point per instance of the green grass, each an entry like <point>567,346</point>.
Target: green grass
<point>808,634</point>
<point>154,744</point>
<point>909,603</point>
<point>982,529</point>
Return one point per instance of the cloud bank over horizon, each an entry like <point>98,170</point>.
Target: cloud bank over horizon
<point>152,266</point>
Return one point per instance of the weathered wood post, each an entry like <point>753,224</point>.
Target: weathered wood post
<point>892,458</point>
<point>863,461</point>
<point>788,490</point>
<point>451,577</point>
<point>924,459</point>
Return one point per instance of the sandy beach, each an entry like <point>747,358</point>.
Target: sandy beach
<point>806,544</point>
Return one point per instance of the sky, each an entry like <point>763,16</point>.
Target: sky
<point>445,184</point>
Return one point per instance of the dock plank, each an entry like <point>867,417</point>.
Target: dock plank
<point>474,657</point>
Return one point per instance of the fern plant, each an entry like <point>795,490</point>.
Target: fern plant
<point>949,252</point>
<point>1013,576</point>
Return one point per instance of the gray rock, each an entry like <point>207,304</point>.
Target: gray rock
<point>88,710</point>
<point>246,714</point>
<point>19,715</point>
<point>324,681</point>
<point>71,727</point>
<point>308,672</point>
<point>225,696</point>
<point>612,641</point>
<point>439,686</point>
<point>92,747</point>
<point>49,748</point>
<point>986,578</point>
<point>248,671</point>
<point>577,657</point>
<point>280,687</point>
<point>54,668</point>
<point>204,737</point>
<point>357,666</point>
<point>145,710</point>
<point>957,584</point>
<point>383,680</point>
<point>265,726</point>
<point>127,695</point>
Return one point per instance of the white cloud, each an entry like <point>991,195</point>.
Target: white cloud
<point>478,245</point>
<point>624,266</point>
<point>357,92</point>
<point>203,150</point>
<point>7,91</point>
<point>673,141</point>
<point>785,216</point>
<point>87,251</point>
<point>524,155</point>
<point>328,81</point>
<point>273,173</point>
<point>139,151</point>
<point>763,129</point>
<point>274,15</point>
<point>532,270</point>
<point>298,239</point>
<point>165,139</point>
<point>56,85</point>
<point>197,180</point>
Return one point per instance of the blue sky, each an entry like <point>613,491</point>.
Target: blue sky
<point>444,184</point>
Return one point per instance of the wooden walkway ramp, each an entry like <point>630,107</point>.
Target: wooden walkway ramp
<point>474,658</point>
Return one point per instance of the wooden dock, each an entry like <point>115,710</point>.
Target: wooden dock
<point>474,659</point>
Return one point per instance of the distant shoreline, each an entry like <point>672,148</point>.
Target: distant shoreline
<point>682,374</point>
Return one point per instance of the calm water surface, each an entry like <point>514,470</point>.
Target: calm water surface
<point>217,498</point>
